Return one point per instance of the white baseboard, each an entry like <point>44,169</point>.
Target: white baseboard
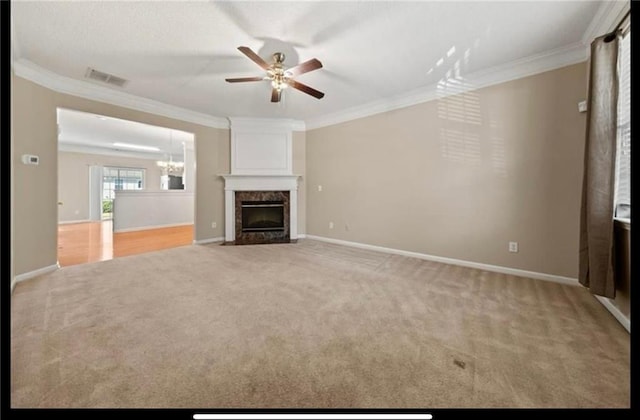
<point>300,236</point>
<point>622,319</point>
<point>208,241</point>
<point>31,274</point>
<point>495,268</point>
<point>134,229</point>
<point>70,222</point>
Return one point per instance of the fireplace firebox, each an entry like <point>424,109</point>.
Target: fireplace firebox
<point>262,217</point>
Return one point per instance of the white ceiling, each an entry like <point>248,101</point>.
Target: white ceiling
<point>179,53</point>
<point>90,133</point>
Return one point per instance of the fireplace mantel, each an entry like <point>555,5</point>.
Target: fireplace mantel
<point>260,182</point>
<point>238,182</point>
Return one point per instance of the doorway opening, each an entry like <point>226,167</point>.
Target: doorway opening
<point>114,178</point>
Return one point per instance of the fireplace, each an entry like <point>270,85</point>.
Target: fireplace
<point>262,217</point>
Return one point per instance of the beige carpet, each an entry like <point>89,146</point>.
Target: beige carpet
<point>308,325</point>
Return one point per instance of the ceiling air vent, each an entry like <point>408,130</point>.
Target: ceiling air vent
<point>105,77</point>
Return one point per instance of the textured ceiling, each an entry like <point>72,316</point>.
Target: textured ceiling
<point>180,52</point>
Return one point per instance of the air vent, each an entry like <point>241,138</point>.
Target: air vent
<point>105,77</point>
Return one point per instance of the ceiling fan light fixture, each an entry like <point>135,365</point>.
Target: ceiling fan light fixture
<point>279,81</point>
<point>276,85</point>
<point>279,76</point>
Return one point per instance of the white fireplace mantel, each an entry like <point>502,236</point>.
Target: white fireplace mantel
<point>235,183</point>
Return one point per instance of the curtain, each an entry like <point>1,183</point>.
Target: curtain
<point>597,210</point>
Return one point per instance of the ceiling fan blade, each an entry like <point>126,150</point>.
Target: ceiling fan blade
<point>305,67</point>
<point>304,88</point>
<point>275,95</point>
<point>245,79</point>
<point>254,57</point>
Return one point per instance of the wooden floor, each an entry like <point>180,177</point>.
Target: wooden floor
<point>80,243</point>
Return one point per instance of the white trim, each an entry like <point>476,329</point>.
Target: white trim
<point>249,156</point>
<point>302,235</point>
<point>134,229</point>
<point>97,150</point>
<point>487,267</point>
<point>270,123</point>
<point>234,182</point>
<point>31,274</point>
<point>208,241</point>
<point>528,66</point>
<point>622,319</point>
<point>70,222</point>
<point>30,71</point>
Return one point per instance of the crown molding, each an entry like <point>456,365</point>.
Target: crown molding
<point>605,20</point>
<point>275,123</point>
<point>95,150</point>
<point>528,66</point>
<point>571,54</point>
<point>32,72</point>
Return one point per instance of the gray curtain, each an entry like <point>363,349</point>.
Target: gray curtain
<point>596,216</point>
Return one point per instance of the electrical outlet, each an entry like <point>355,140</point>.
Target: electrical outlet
<point>214,225</point>
<point>330,225</point>
<point>513,247</point>
<point>319,187</point>
<point>582,106</point>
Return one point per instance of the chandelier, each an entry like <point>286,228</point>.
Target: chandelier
<point>169,165</point>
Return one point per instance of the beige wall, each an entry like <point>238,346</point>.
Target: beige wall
<point>461,176</point>
<point>73,180</point>
<point>34,206</point>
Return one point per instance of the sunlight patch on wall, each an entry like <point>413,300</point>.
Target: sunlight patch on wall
<point>498,155</point>
<point>459,108</point>
<point>460,146</point>
<point>464,136</point>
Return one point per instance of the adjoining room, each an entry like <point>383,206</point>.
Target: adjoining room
<point>150,169</point>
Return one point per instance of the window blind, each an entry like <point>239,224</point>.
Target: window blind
<point>623,158</point>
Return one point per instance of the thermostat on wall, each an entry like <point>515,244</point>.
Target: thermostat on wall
<point>30,159</point>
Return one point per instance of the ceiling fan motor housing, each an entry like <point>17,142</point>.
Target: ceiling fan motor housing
<point>278,59</point>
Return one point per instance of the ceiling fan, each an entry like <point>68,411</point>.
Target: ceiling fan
<point>279,77</point>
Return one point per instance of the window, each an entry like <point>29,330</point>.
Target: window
<point>623,158</point>
<point>118,179</point>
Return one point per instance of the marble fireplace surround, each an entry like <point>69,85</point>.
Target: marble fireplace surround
<point>235,183</point>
